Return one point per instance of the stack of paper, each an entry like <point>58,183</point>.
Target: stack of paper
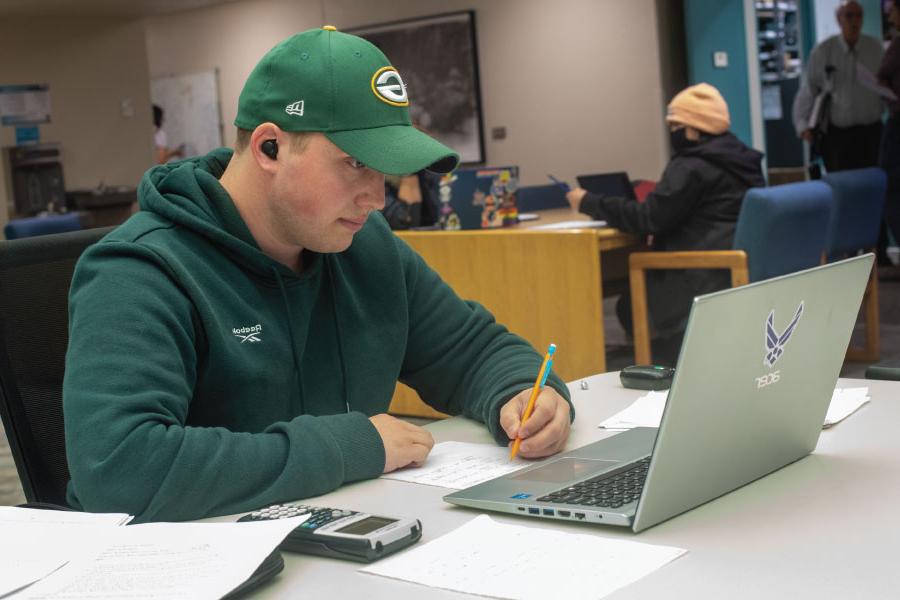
<point>39,542</point>
<point>647,410</point>
<point>81,556</point>
<point>487,558</point>
<point>457,465</point>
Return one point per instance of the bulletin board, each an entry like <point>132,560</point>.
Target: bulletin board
<point>192,114</point>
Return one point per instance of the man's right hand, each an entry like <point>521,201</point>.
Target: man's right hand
<point>405,444</point>
<point>807,135</point>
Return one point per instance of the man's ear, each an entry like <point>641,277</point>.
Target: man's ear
<point>264,143</point>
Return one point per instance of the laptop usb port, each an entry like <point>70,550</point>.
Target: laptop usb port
<point>579,516</point>
<point>534,511</point>
<point>549,512</point>
<point>564,513</point>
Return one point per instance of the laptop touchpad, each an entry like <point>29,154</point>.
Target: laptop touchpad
<point>565,469</point>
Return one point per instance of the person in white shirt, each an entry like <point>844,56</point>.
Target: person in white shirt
<point>163,153</point>
<point>844,65</point>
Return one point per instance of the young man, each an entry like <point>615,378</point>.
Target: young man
<point>695,206</point>
<point>237,341</point>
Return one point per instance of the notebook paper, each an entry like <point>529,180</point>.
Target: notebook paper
<point>489,558</point>
<point>458,465</point>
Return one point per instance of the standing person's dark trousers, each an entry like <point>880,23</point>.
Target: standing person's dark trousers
<point>854,147</point>
<point>890,162</point>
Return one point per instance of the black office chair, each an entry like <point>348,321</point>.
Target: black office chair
<point>35,274</point>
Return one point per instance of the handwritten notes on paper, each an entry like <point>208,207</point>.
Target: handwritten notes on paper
<point>489,558</point>
<point>458,465</point>
<point>39,542</point>
<point>170,561</point>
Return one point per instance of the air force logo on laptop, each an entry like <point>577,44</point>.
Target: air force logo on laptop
<point>776,342</point>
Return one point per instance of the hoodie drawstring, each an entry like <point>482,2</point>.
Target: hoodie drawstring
<point>287,310</point>
<point>337,327</point>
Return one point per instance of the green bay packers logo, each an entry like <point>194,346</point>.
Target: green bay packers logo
<point>388,87</point>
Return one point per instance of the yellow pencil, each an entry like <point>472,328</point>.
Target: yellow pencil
<point>538,384</point>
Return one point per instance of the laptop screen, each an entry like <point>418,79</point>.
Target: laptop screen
<point>608,184</point>
<point>476,198</point>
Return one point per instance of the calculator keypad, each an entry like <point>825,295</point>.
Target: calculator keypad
<point>318,515</point>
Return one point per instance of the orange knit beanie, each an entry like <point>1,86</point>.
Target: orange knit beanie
<point>700,106</point>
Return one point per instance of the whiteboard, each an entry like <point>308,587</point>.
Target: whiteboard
<point>191,116</point>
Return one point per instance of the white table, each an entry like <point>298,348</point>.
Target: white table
<point>827,526</point>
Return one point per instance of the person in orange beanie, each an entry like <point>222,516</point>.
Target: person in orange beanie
<point>694,207</point>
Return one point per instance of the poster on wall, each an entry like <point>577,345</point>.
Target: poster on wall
<point>438,60</point>
<point>24,104</point>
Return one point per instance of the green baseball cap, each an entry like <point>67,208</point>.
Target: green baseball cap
<point>342,85</point>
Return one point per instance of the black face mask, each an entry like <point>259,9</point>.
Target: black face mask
<point>680,141</point>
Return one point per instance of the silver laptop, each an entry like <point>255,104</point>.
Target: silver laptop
<point>753,383</point>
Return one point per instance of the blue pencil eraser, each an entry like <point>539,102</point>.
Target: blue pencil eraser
<point>551,349</point>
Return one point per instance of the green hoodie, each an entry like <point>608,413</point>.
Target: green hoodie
<point>204,378</point>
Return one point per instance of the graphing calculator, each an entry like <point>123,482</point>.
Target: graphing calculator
<point>341,533</point>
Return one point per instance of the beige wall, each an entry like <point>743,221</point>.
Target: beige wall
<point>90,67</point>
<point>576,83</point>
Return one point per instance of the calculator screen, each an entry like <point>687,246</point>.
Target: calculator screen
<point>367,525</point>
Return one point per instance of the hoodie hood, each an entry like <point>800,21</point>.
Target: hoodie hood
<point>188,194</point>
<point>730,154</point>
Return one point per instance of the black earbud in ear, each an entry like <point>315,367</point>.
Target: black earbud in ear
<point>270,149</point>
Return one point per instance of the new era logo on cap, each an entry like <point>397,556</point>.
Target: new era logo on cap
<point>295,108</point>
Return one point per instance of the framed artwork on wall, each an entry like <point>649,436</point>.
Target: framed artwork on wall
<point>437,58</point>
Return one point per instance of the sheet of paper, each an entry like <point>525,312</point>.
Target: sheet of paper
<point>14,514</point>
<point>868,80</point>
<point>190,561</point>
<point>529,216</point>
<point>844,402</point>
<point>771,102</point>
<point>571,225</point>
<point>458,465</point>
<point>647,410</point>
<point>489,558</point>
<point>33,551</point>
<point>42,541</point>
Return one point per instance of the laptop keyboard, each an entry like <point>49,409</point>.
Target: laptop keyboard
<point>609,490</point>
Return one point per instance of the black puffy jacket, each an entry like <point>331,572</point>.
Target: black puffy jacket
<point>694,207</point>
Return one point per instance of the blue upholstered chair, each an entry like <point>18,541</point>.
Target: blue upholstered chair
<point>540,197</point>
<point>854,226</point>
<point>45,225</point>
<point>780,229</point>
